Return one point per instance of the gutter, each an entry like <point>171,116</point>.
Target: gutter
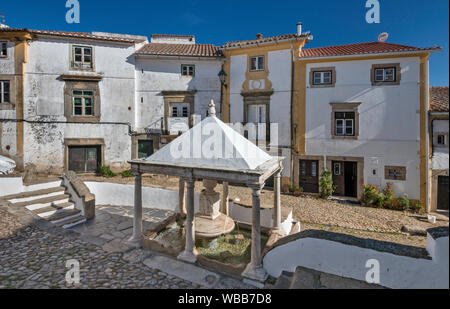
<point>170,57</point>
<point>373,54</point>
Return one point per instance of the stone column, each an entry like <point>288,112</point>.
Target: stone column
<point>225,195</point>
<point>137,224</point>
<point>190,253</point>
<point>277,203</point>
<point>254,270</point>
<point>181,196</point>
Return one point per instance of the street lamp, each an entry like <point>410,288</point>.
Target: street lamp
<point>222,77</point>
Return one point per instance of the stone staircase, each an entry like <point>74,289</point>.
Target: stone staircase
<point>49,201</point>
<point>305,278</point>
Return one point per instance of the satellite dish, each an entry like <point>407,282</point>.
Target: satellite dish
<point>383,37</point>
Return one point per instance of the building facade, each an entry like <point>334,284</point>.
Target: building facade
<point>438,126</point>
<point>80,100</point>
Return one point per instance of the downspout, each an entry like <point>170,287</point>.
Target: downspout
<point>293,130</point>
<point>427,140</point>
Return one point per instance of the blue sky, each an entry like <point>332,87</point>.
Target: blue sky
<point>411,22</point>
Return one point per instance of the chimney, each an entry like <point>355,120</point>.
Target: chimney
<point>299,29</point>
<point>259,36</point>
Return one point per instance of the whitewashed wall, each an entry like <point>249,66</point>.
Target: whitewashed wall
<point>389,122</point>
<point>279,67</point>
<point>44,100</point>
<point>398,272</point>
<point>156,75</point>
<point>8,129</point>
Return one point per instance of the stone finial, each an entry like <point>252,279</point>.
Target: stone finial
<point>212,109</point>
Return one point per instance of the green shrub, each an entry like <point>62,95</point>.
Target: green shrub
<point>326,184</point>
<point>126,174</point>
<point>105,171</point>
<point>418,207</point>
<point>370,195</point>
<point>404,202</point>
<point>295,189</point>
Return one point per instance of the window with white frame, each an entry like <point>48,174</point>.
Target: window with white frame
<point>385,74</point>
<point>83,102</point>
<point>257,63</point>
<point>5,96</point>
<point>82,57</point>
<point>322,78</point>
<point>179,110</point>
<point>187,70</point>
<point>3,49</point>
<point>345,123</point>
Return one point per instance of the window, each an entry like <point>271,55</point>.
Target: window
<point>179,110</point>
<point>345,120</point>
<point>83,103</point>
<point>3,49</point>
<point>82,57</point>
<point>386,74</point>
<point>345,123</point>
<point>187,70</point>
<point>441,140</point>
<point>257,63</point>
<point>322,78</point>
<point>395,172</point>
<point>5,92</point>
<point>337,169</point>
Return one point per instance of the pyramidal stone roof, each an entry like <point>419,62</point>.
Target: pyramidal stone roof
<point>211,144</point>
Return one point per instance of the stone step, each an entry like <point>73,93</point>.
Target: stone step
<point>44,202</point>
<point>284,281</point>
<point>70,221</point>
<point>34,195</point>
<point>50,210</point>
<point>40,185</point>
<point>63,214</point>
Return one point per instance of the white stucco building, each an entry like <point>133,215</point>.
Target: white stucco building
<point>79,100</point>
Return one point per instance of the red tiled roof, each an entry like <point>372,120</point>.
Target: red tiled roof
<point>264,40</point>
<point>190,50</point>
<point>86,35</point>
<point>439,99</point>
<point>361,48</point>
<point>172,36</point>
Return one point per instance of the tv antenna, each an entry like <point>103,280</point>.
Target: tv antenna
<point>383,37</point>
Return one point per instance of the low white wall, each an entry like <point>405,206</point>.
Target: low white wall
<point>350,261</point>
<point>10,185</point>
<point>121,194</point>
<point>244,214</point>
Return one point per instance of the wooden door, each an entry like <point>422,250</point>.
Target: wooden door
<point>350,174</point>
<point>443,192</point>
<point>338,177</point>
<point>84,159</point>
<point>309,176</point>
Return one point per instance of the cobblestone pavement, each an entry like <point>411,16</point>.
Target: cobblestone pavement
<point>113,226</point>
<point>35,255</point>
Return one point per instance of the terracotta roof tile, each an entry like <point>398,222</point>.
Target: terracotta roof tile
<point>86,35</point>
<point>264,40</point>
<point>190,50</point>
<point>439,99</point>
<point>361,48</point>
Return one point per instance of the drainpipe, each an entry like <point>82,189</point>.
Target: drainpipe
<point>293,131</point>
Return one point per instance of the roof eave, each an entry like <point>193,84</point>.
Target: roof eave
<point>418,52</point>
<point>275,41</point>
<point>172,57</point>
<point>81,38</point>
